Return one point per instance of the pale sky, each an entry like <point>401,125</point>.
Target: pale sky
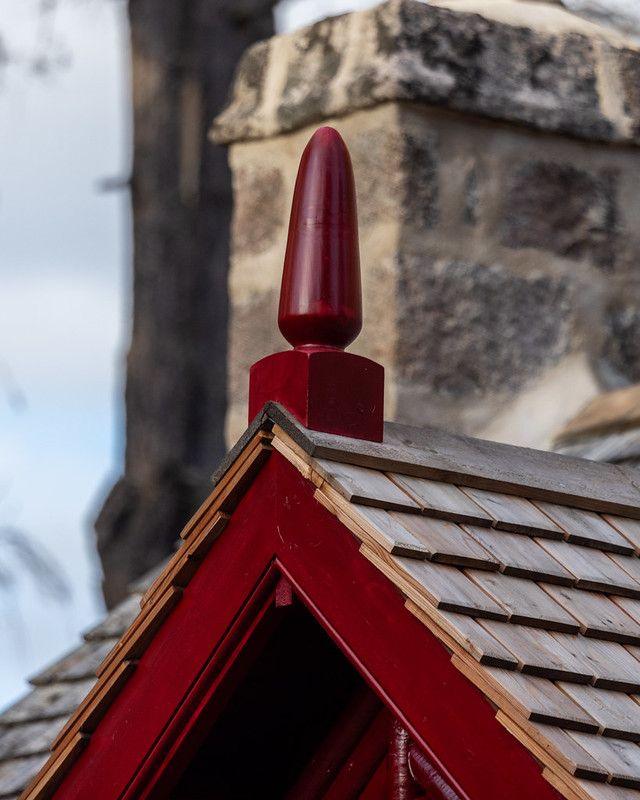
<point>64,303</point>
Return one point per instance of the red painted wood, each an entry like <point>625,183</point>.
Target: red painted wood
<point>321,306</point>
<point>284,593</point>
<point>376,789</point>
<point>427,777</point>
<point>336,748</point>
<point>447,717</point>
<point>321,298</point>
<point>401,784</point>
<point>356,773</point>
<point>327,390</point>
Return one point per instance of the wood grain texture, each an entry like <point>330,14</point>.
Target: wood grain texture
<point>521,555</point>
<point>383,529</point>
<point>448,588</point>
<point>629,528</point>
<point>365,486</point>
<point>620,759</point>
<point>515,514</point>
<point>539,653</point>
<point>525,602</point>
<point>447,542</point>
<point>586,528</point>
<point>597,614</point>
<point>617,715</point>
<point>534,699</point>
<point>465,461</point>
<point>611,665</point>
<point>554,747</point>
<point>592,569</point>
<point>442,500</point>
<point>462,631</point>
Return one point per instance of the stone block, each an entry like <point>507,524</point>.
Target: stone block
<point>563,209</point>
<point>467,330</point>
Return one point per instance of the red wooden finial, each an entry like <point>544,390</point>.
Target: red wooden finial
<point>321,298</point>
<point>320,313</point>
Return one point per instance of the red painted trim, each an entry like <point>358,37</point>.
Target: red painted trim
<point>401,784</point>
<point>426,776</point>
<point>362,764</point>
<point>448,718</point>
<point>185,732</point>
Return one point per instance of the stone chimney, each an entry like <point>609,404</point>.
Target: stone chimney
<point>497,168</point>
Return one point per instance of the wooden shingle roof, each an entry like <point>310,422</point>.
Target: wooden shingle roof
<point>524,564</point>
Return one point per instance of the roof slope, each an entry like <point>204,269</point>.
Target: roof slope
<point>29,726</point>
<point>524,564</point>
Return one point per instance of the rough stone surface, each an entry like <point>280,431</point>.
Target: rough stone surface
<point>557,207</point>
<point>259,199</point>
<point>406,50</point>
<point>622,342</point>
<point>499,260</point>
<point>469,329</point>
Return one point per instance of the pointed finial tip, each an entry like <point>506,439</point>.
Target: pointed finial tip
<point>320,298</point>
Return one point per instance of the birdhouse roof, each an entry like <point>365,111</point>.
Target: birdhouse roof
<point>523,564</point>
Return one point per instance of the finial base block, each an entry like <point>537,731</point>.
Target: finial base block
<point>327,390</point>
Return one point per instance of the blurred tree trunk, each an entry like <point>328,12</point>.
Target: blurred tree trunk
<point>183,56</point>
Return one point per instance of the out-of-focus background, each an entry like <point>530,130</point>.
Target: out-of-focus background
<point>499,220</point>
<point>65,306</point>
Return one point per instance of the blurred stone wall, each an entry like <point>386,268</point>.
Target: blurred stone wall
<point>497,167</point>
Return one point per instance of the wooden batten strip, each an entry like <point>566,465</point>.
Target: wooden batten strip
<point>185,562</point>
<point>578,764</point>
<point>462,634</point>
<point>227,487</point>
<point>571,791</point>
<point>358,519</point>
<point>95,705</point>
<point>50,776</point>
<point>139,636</point>
<point>552,706</point>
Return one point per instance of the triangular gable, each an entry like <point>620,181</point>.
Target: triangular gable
<point>425,549</point>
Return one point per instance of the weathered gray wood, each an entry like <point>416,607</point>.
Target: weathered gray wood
<point>611,665</point>
<point>465,461</point>
<point>442,500</point>
<point>630,564</point>
<point>388,532</point>
<point>538,652</point>
<point>586,528</point>
<point>16,773</point>
<point>29,739</point>
<point>616,713</point>
<point>47,702</point>
<point>447,542</point>
<point>525,602</point>
<point>629,528</point>
<point>540,700</point>
<point>76,665</point>
<point>515,514</point>
<point>621,759</point>
<point>476,640</point>
<point>117,621</point>
<point>597,614</point>
<point>520,555</point>
<point>567,751</point>
<point>629,606</point>
<point>365,486</point>
<point>604,791</point>
<point>448,588</point>
<point>592,569</point>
